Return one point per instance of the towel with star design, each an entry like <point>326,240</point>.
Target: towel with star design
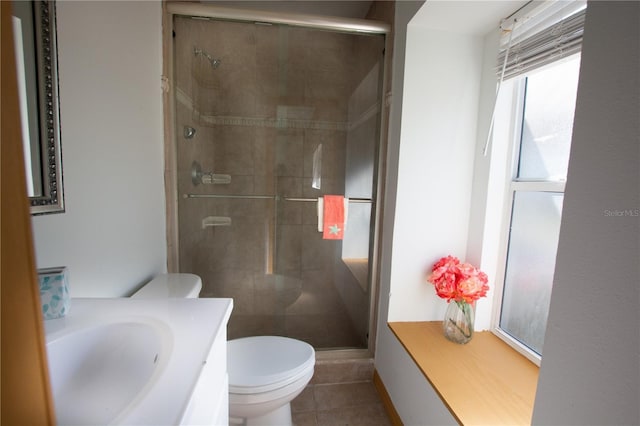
<point>334,215</point>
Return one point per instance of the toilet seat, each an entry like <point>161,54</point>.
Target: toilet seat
<point>265,363</point>
<point>283,393</point>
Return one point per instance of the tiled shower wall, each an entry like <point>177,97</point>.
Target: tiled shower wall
<point>277,94</point>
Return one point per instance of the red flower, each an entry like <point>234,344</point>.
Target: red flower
<point>458,281</point>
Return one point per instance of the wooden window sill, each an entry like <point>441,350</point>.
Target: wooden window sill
<point>482,382</point>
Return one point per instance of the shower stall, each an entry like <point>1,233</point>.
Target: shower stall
<point>268,118</point>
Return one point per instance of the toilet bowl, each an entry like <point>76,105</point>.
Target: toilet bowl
<point>265,374</point>
<point>171,285</point>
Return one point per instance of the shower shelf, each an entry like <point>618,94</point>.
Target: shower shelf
<point>216,221</point>
<point>207,178</point>
<point>269,197</point>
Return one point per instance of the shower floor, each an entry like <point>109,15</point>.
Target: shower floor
<point>322,331</point>
<point>309,310</point>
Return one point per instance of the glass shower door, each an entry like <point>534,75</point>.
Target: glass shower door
<point>280,117</point>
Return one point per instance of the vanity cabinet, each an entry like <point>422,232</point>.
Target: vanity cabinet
<point>209,404</point>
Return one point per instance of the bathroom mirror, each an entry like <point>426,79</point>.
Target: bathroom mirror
<point>34,28</point>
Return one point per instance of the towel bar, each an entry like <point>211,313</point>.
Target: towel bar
<point>269,197</point>
<point>351,200</point>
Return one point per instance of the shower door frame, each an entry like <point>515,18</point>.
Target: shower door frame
<point>335,24</point>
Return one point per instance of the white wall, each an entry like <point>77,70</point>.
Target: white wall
<point>435,163</point>
<point>412,396</point>
<point>112,235</point>
<point>590,371</point>
<point>592,344</point>
<point>439,145</point>
<point>432,148</point>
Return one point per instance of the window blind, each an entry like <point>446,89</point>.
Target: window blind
<point>562,39</point>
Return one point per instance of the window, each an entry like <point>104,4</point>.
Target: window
<point>530,138</point>
<point>542,114</point>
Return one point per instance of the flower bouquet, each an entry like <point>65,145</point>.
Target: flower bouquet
<point>463,284</point>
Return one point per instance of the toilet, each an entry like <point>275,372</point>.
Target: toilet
<point>185,286</point>
<point>265,374</point>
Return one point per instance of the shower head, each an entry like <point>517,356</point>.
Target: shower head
<point>215,62</point>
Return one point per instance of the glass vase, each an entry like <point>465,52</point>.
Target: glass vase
<point>458,322</point>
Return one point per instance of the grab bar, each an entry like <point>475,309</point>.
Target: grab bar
<point>351,200</point>
<point>269,197</point>
<point>251,197</point>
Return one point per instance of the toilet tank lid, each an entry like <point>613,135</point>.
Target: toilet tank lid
<point>179,285</point>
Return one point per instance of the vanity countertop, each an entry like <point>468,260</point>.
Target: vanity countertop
<point>189,328</point>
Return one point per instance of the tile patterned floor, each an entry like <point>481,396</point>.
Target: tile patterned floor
<point>339,404</point>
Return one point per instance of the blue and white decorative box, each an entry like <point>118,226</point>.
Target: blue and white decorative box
<point>54,292</point>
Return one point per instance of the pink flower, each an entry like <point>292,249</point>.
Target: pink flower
<point>444,269</point>
<point>458,281</point>
<point>473,288</point>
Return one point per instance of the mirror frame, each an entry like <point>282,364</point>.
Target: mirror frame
<point>52,199</point>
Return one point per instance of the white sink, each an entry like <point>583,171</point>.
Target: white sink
<point>97,372</point>
<point>130,361</point>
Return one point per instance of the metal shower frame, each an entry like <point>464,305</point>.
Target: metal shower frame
<point>329,23</point>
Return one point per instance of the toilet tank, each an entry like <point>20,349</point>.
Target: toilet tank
<point>171,285</point>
